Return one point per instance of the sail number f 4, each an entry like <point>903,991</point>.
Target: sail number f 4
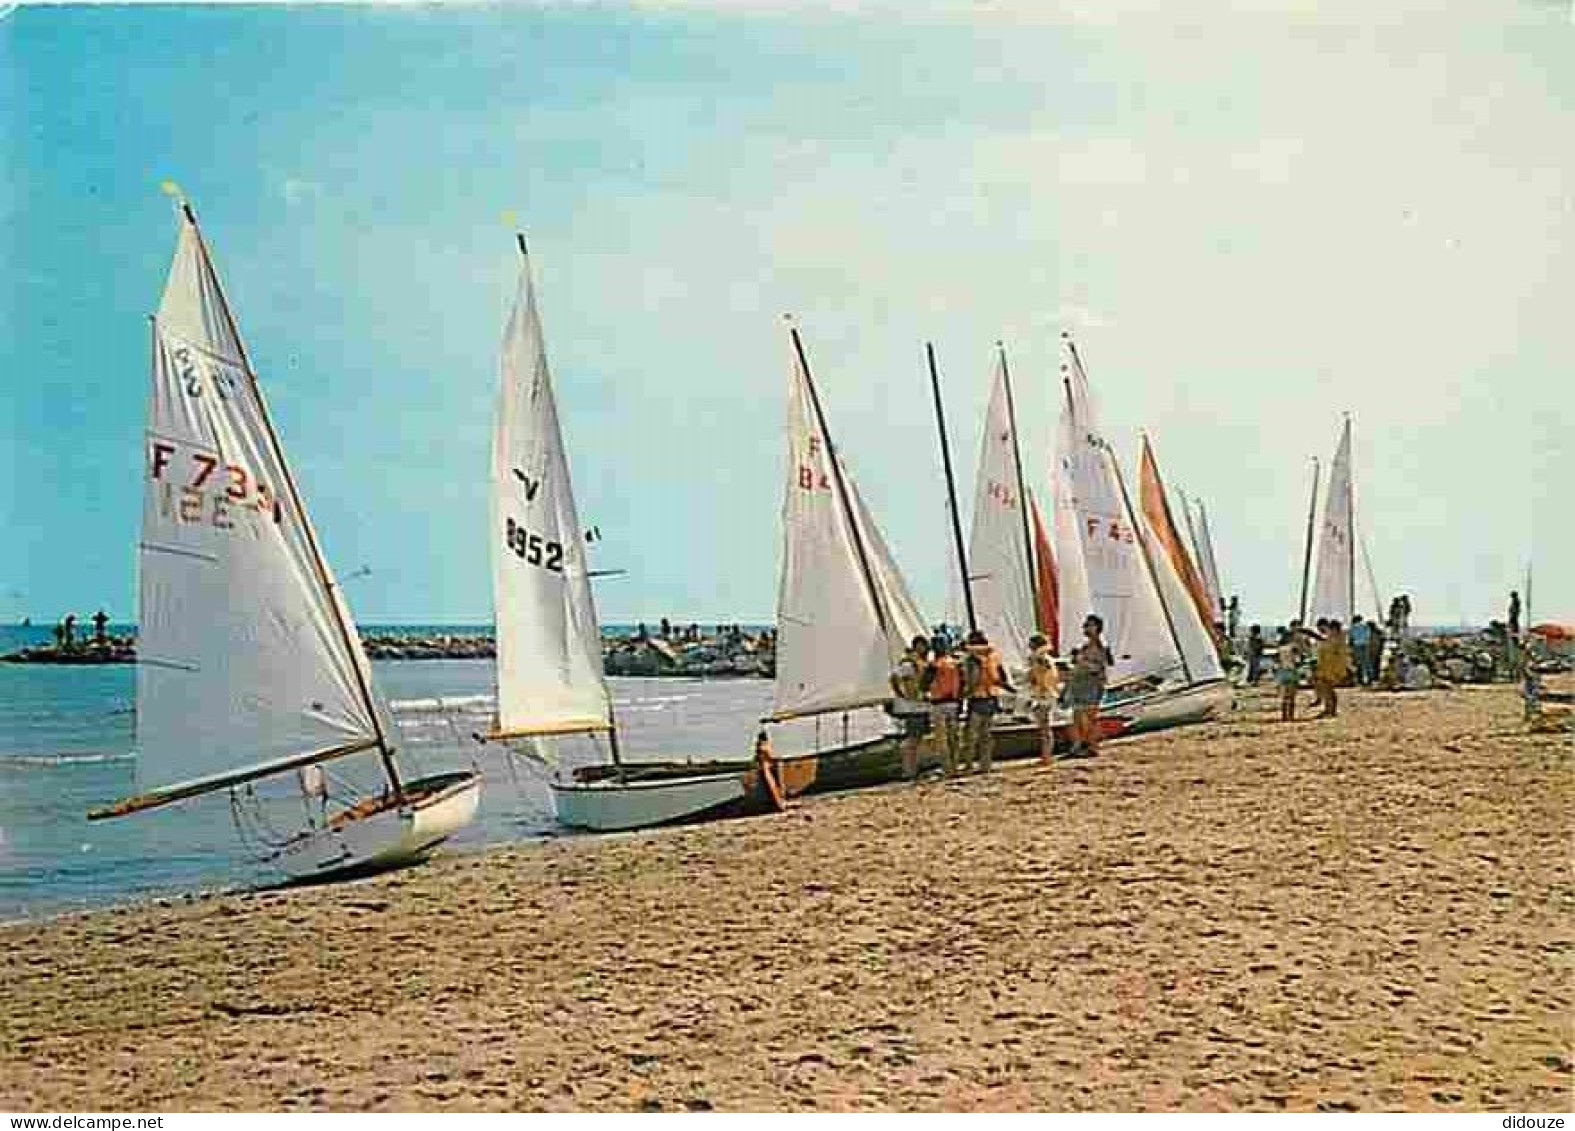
<point>533,549</point>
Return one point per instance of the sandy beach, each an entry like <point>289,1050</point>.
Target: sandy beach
<point>1369,913</point>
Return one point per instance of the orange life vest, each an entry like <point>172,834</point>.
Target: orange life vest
<point>946,682</point>
<point>989,680</point>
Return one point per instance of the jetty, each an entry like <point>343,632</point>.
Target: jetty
<point>725,653</point>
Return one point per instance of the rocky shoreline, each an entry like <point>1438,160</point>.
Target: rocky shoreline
<point>731,653</point>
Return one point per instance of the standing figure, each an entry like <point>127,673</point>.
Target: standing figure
<point>984,676</point>
<point>1514,614</point>
<point>1085,686</point>
<point>908,706</point>
<point>100,620</point>
<point>1332,668</point>
<point>70,627</point>
<point>1044,688</point>
<point>1372,659</point>
<point>1254,654</point>
<point>1288,668</point>
<point>942,684</point>
<point>1359,638</point>
<point>1233,618</point>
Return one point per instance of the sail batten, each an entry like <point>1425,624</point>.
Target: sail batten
<point>549,657</point>
<point>844,612</point>
<point>247,664</point>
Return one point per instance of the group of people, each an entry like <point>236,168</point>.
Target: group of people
<point>951,695</point>
<point>66,630</point>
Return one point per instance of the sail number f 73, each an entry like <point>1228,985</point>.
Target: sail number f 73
<point>533,549</point>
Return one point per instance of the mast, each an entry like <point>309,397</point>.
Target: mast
<point>385,752</point>
<point>1312,504</point>
<point>1017,463</point>
<point>1350,511</point>
<point>842,488</point>
<point>951,487</point>
<point>1372,582</point>
<point>1148,561</point>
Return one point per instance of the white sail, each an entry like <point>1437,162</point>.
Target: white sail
<point>549,654</point>
<point>247,659</point>
<point>843,612</point>
<point>1075,601</point>
<point>1191,634</point>
<point>1334,591</point>
<point>998,555</point>
<point>904,620</point>
<point>1207,566</point>
<point>1120,588</point>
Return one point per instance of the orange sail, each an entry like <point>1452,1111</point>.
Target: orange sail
<point>1151,493</point>
<point>1047,597</point>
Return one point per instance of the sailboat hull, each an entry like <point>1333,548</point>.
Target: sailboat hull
<point>610,805</point>
<point>1160,710</point>
<point>384,835</point>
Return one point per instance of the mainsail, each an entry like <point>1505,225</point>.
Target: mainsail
<point>1120,588</point>
<point>248,661</point>
<point>1334,591</point>
<point>549,641</point>
<point>843,611</point>
<point>1211,573</point>
<point>1156,509</point>
<point>999,556</point>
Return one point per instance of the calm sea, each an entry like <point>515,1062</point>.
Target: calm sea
<point>67,744</point>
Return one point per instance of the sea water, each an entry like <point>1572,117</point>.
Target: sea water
<point>67,745</point>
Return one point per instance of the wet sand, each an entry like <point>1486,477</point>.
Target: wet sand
<point>1375,912</point>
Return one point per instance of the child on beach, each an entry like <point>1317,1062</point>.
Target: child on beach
<point>1287,672</point>
<point>1044,687</point>
<point>942,686</point>
<point>1332,668</point>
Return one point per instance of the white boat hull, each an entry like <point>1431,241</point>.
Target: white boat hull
<point>1181,707</point>
<point>387,838</point>
<point>612,806</point>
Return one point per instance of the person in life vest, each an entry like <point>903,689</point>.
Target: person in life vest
<point>942,687</point>
<point>1044,688</point>
<point>908,706</point>
<point>984,677</point>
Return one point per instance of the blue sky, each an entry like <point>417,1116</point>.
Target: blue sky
<point>1256,217</point>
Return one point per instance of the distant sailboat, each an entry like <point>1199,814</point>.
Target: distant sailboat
<point>550,680</point>
<point>1334,585</point>
<point>1167,669</point>
<point>249,665</point>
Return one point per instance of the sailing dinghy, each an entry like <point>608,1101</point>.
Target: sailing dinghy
<point>1167,670</point>
<point>550,680</point>
<point>1334,587</point>
<point>249,667</point>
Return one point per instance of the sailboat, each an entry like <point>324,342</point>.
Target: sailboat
<point>249,668</point>
<point>844,611</point>
<point>1167,670</point>
<point>1012,589</point>
<point>550,681</point>
<point>1334,590</point>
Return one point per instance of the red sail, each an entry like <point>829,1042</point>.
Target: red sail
<point>1047,596</point>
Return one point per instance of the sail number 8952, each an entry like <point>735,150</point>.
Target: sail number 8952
<point>533,548</point>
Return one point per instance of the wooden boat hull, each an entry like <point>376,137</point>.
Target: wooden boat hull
<point>387,835</point>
